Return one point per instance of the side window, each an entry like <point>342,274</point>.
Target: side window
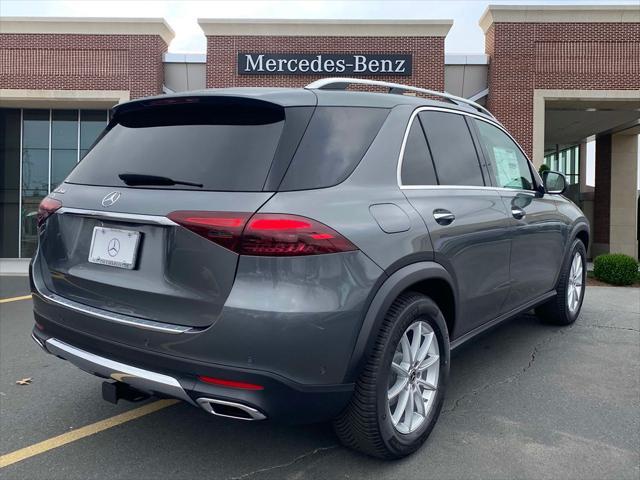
<point>332,146</point>
<point>509,165</point>
<point>454,154</point>
<point>417,166</point>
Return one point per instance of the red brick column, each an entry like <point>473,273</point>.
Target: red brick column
<point>602,193</point>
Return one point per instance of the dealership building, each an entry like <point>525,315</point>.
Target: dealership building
<point>558,77</point>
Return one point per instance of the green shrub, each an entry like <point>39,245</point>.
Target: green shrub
<point>616,269</point>
<point>543,168</point>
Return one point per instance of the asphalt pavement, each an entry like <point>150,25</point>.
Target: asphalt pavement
<point>526,400</point>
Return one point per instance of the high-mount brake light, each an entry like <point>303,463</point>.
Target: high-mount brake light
<point>264,234</point>
<point>47,207</point>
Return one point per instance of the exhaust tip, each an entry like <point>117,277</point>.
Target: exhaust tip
<point>237,411</point>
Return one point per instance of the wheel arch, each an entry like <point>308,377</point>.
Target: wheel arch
<point>580,231</point>
<point>582,234</point>
<point>427,277</point>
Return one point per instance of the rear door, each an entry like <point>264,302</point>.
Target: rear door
<point>537,229</point>
<point>443,178</point>
<point>117,244</point>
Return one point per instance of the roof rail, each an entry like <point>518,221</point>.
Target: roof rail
<point>339,83</point>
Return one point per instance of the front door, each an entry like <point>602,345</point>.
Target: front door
<point>537,231</point>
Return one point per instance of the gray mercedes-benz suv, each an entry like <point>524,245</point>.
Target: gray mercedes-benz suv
<point>300,254</point>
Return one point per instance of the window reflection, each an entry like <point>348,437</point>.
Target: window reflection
<point>52,143</point>
<point>64,144</point>
<point>35,174</point>
<point>92,122</point>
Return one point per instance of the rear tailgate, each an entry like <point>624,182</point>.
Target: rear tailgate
<point>177,277</point>
<point>112,246</point>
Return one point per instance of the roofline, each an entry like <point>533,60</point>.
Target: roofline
<point>558,14</point>
<point>88,26</point>
<point>324,27</point>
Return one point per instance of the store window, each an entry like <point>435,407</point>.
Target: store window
<point>9,181</point>
<point>38,149</point>
<point>566,161</point>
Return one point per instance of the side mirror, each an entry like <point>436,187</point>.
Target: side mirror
<point>554,182</point>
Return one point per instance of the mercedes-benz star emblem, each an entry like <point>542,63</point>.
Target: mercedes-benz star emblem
<point>110,199</point>
<point>114,247</point>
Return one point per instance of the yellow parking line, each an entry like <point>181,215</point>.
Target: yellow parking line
<point>15,299</point>
<point>60,440</point>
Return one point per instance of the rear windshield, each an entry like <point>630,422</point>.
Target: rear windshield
<point>223,148</point>
<point>231,147</point>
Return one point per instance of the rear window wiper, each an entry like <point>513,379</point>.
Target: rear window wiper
<point>133,179</point>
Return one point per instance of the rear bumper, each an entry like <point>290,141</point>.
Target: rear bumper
<point>159,375</point>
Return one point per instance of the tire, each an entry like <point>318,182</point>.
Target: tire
<point>565,307</point>
<point>367,424</point>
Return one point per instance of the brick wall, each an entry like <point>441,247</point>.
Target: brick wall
<point>222,51</point>
<point>82,62</point>
<point>528,56</point>
<point>602,194</point>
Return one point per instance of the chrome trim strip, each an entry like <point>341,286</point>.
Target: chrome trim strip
<point>134,217</point>
<point>457,187</point>
<point>37,340</point>
<point>340,83</point>
<point>110,316</point>
<point>121,372</point>
<point>205,403</point>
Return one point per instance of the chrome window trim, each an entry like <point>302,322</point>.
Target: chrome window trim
<point>135,217</point>
<point>105,367</point>
<point>495,123</point>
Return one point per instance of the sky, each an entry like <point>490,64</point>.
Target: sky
<point>465,35</point>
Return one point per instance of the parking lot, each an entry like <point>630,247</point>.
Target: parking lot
<point>524,401</point>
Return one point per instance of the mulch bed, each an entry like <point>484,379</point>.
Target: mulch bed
<point>592,282</point>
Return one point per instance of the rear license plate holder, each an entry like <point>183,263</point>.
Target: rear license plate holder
<point>114,247</point>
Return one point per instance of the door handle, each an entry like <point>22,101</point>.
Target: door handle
<point>443,217</point>
<point>518,213</point>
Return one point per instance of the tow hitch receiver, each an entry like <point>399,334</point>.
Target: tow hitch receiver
<point>114,391</point>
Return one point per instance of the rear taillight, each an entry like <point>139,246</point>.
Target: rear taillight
<point>290,235</point>
<point>47,207</point>
<point>264,234</point>
<point>223,228</point>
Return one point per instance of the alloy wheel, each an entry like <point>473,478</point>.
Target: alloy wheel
<point>575,283</point>
<point>414,376</point>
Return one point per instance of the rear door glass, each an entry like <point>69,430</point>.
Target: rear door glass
<point>417,165</point>
<point>334,143</point>
<point>452,147</point>
<point>222,148</point>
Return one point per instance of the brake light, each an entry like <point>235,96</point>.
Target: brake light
<point>47,207</point>
<point>223,228</point>
<point>290,235</point>
<point>230,383</point>
<point>264,234</point>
